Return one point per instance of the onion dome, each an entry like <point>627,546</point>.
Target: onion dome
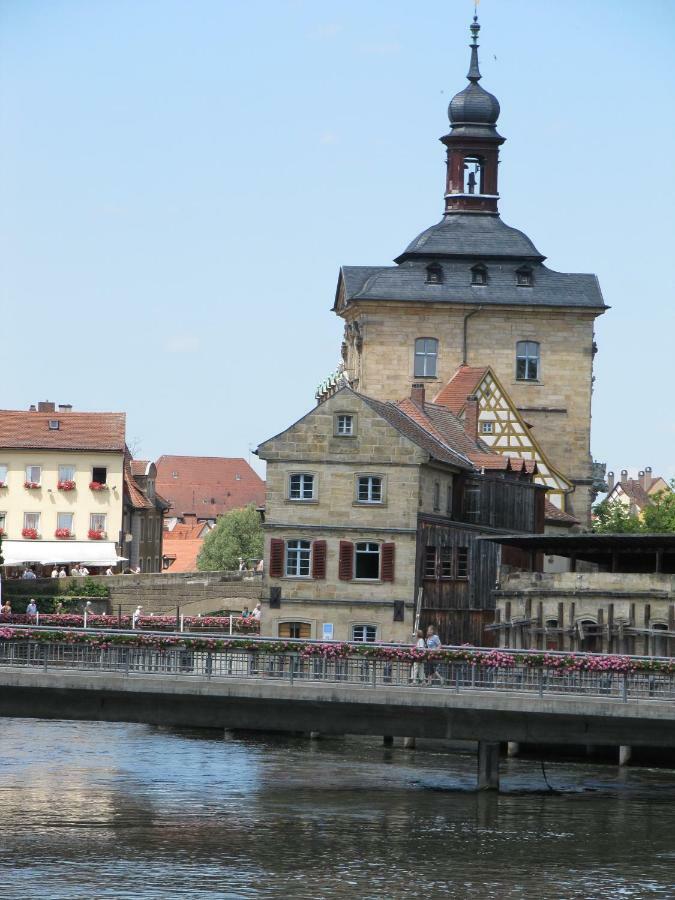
<point>474,110</point>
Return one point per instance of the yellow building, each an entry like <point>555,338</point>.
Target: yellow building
<point>61,486</point>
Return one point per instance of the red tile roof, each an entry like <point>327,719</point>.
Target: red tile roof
<point>183,532</point>
<point>76,431</point>
<point>462,384</point>
<point>182,554</point>
<point>556,516</point>
<point>229,482</point>
<point>139,467</point>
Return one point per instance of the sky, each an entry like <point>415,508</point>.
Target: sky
<point>181,181</point>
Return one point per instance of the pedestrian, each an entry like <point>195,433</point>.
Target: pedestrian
<point>28,573</point>
<point>55,572</point>
<point>109,571</point>
<point>75,570</point>
<point>433,643</point>
<point>260,567</point>
<point>242,564</point>
<point>257,612</point>
<point>62,573</point>
<point>417,672</point>
<point>136,616</point>
<point>84,571</point>
<point>31,609</point>
<point>6,608</point>
<point>245,613</point>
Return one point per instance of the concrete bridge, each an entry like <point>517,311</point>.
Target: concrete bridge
<point>265,690</point>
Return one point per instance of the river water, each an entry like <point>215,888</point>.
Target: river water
<point>98,810</point>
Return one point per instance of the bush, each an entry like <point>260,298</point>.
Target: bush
<point>87,587</point>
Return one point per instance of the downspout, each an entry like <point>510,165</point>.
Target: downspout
<point>464,336</point>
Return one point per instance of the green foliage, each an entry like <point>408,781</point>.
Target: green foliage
<point>87,587</point>
<point>657,518</point>
<point>237,534</point>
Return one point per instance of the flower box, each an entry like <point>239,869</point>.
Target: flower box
<point>2,532</point>
<point>97,486</point>
<point>66,485</point>
<point>63,533</point>
<point>95,535</point>
<point>31,485</point>
<point>3,484</point>
<point>29,533</point>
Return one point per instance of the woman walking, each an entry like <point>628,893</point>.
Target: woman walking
<point>417,673</point>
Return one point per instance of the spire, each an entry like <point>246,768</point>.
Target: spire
<point>473,74</point>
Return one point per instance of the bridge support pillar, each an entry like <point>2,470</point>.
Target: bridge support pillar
<point>513,748</point>
<point>625,754</point>
<point>488,766</point>
<point>408,743</point>
<point>388,740</point>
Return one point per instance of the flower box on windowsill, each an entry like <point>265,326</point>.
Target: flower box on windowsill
<point>63,533</point>
<point>31,485</point>
<point>96,535</point>
<point>97,486</point>
<point>66,485</point>
<point>30,534</point>
<point>2,532</point>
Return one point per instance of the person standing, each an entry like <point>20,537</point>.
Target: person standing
<point>257,612</point>
<point>136,616</point>
<point>417,672</point>
<point>31,609</point>
<point>55,572</point>
<point>433,643</point>
<point>62,573</point>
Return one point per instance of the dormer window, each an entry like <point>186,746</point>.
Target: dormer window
<point>524,276</point>
<point>479,275</point>
<point>53,424</point>
<point>435,274</point>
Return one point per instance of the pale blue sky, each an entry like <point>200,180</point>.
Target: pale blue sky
<point>180,181</point>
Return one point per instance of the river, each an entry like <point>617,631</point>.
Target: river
<point>98,810</point>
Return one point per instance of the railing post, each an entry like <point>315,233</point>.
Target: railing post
<point>541,682</point>
<point>230,624</point>
<point>625,687</point>
<point>290,667</point>
<point>374,673</point>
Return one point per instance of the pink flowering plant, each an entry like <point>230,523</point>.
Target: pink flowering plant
<point>65,485</point>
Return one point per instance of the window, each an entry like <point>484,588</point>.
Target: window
<point>297,559</point>
<point>366,634</point>
<point>33,474</point>
<point>473,175</point>
<point>66,473</point>
<point>295,630</point>
<point>344,425</point>
<point>3,474</point>
<point>64,520</point>
<point>524,276</point>
<point>437,495</point>
<point>99,474</point>
<point>367,561</point>
<point>429,562</point>
<point>426,354</point>
<point>527,361</point>
<point>486,427</point>
<point>462,567</point>
<point>369,489</point>
<point>479,275</point>
<point>32,520</point>
<point>53,424</point>
<point>446,562</point>
<point>301,487</point>
<point>448,500</point>
<point>472,502</point>
<point>97,522</point>
<point>435,274</point>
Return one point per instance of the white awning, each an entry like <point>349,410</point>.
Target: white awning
<point>91,553</point>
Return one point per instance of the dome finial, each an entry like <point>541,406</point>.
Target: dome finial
<point>474,72</point>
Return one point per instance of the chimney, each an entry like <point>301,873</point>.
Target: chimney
<point>641,478</point>
<point>31,408</point>
<point>65,407</point>
<point>190,518</point>
<point>610,481</point>
<point>647,481</point>
<point>624,474</point>
<point>46,406</point>
<point>418,394</point>
<point>471,417</point>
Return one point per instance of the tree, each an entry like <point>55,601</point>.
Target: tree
<point>615,518</point>
<point>657,517</point>
<point>237,534</point>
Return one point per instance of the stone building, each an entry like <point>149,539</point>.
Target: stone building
<point>143,516</point>
<point>474,293</point>
<point>372,517</point>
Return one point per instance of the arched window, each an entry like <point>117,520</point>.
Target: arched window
<point>479,274</point>
<point>426,354</point>
<point>524,276</point>
<point>435,274</point>
<point>474,171</point>
<point>527,361</point>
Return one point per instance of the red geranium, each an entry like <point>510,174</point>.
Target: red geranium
<point>97,486</point>
<point>31,485</point>
<point>66,485</point>
<point>62,533</point>
<point>29,533</point>
<point>95,534</point>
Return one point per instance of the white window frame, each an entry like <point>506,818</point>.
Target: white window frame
<point>425,364</point>
<point>345,424</point>
<point>4,472</point>
<point>94,517</point>
<point>30,468</point>
<point>368,552</point>
<point>369,499</point>
<point>58,523</point>
<point>64,476</point>
<point>36,516</point>
<point>360,627</point>
<point>298,556</point>
<point>487,427</point>
<point>307,480</point>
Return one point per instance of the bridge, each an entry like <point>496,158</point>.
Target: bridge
<point>305,689</point>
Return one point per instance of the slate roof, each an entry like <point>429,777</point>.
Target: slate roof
<point>468,234</point>
<point>230,482</point>
<point>77,430</point>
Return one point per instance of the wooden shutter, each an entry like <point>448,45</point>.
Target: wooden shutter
<point>319,559</point>
<point>276,558</point>
<point>346,563</point>
<point>388,562</point>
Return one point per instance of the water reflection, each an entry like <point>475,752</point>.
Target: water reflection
<point>102,810</point>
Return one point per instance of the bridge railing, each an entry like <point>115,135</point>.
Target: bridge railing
<point>264,662</point>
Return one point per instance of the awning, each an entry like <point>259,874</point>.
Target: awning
<point>91,553</point>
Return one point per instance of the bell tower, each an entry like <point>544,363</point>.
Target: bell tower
<point>472,144</point>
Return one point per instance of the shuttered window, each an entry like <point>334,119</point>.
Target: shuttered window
<point>446,562</point>
<point>388,554</point>
<point>295,630</point>
<point>319,560</point>
<point>298,555</point>
<point>276,558</point>
<point>346,561</point>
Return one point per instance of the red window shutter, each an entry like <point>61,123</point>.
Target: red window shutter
<point>276,558</point>
<point>388,562</point>
<point>319,559</point>
<point>346,563</point>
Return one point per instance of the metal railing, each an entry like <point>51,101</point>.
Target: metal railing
<point>264,662</point>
